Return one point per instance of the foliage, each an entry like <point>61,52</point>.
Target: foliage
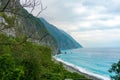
<point>8,69</point>
<point>115,70</point>
<point>9,19</point>
<point>29,61</point>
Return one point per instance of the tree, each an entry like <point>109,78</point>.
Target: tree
<point>13,6</point>
<point>11,9</point>
<point>32,4</point>
<point>115,69</point>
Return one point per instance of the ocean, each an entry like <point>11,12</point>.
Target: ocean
<point>93,61</point>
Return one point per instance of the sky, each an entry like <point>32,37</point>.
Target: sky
<point>93,23</point>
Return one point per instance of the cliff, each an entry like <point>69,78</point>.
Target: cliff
<point>64,40</point>
<point>16,21</point>
<point>19,23</point>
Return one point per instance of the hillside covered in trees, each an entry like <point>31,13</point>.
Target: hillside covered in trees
<point>26,47</point>
<point>29,61</point>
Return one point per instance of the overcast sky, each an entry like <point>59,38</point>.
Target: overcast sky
<point>93,23</point>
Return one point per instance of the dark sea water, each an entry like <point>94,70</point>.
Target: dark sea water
<point>95,61</point>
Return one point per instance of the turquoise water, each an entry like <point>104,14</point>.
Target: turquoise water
<point>97,61</point>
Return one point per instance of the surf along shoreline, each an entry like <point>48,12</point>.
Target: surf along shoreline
<point>72,68</point>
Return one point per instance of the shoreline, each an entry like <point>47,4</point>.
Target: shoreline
<point>73,68</point>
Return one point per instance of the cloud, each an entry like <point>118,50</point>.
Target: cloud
<point>98,38</point>
<point>92,23</point>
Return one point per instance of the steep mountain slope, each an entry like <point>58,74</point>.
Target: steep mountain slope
<point>20,57</point>
<point>64,40</point>
<point>22,24</point>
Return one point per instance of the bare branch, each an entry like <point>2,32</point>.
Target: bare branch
<point>42,8</point>
<point>24,40</point>
<point>5,27</point>
<point>32,4</point>
<point>26,3</point>
<point>33,7</point>
<point>13,8</point>
<point>43,36</point>
<point>16,44</point>
<point>5,6</point>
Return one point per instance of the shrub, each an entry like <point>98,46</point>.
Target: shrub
<point>115,70</point>
<point>29,61</point>
<point>8,68</point>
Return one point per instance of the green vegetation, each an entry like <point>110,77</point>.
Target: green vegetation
<point>115,70</point>
<point>9,19</point>
<point>28,61</point>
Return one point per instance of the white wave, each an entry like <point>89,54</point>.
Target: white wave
<point>82,69</point>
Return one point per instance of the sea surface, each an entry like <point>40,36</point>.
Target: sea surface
<point>94,61</point>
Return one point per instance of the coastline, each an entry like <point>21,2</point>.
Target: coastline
<point>73,68</point>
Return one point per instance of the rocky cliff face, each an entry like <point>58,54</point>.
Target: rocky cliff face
<point>16,21</point>
<point>64,40</point>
